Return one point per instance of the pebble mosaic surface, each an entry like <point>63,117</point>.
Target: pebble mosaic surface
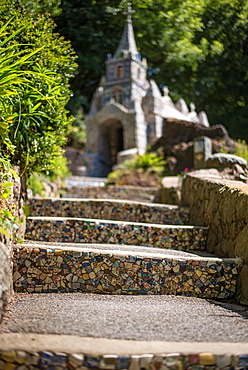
<point>110,210</point>
<point>113,232</point>
<point>42,270</point>
<point>114,192</point>
<point>23,360</point>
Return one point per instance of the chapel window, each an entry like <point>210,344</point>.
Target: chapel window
<point>120,71</point>
<point>118,95</point>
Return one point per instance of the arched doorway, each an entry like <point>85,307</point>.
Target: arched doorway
<point>110,143</point>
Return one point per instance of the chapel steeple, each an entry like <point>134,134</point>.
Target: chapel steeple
<point>127,45</point>
<point>125,79</point>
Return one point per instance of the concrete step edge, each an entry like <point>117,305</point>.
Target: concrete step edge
<point>127,250</point>
<point>100,346</point>
<point>110,200</point>
<point>98,221</point>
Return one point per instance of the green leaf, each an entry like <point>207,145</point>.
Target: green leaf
<point>13,173</point>
<point>4,232</point>
<point>26,210</point>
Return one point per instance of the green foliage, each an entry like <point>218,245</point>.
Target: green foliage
<point>9,222</point>
<point>12,77</point>
<point>144,167</point>
<point>35,184</point>
<point>200,48</point>
<point>93,29</point>
<point>35,67</point>
<point>39,122</point>
<point>59,171</point>
<point>77,134</point>
<point>148,162</point>
<point>241,149</point>
<point>50,7</point>
<point>114,178</point>
<point>57,175</point>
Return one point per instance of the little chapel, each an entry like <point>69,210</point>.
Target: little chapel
<point>127,110</point>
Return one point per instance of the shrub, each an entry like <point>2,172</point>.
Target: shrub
<point>57,175</point>
<point>9,221</point>
<point>145,170</point>
<point>37,119</point>
<point>241,149</point>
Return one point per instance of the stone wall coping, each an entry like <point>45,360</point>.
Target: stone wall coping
<point>128,253</point>
<point>171,181</point>
<point>114,222</point>
<point>101,346</point>
<point>128,187</point>
<point>238,185</point>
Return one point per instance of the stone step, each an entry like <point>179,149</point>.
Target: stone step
<point>32,351</point>
<point>45,268</point>
<point>79,230</point>
<point>84,181</point>
<point>137,193</point>
<point>108,209</point>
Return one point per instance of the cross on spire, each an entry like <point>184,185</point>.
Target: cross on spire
<point>129,12</point>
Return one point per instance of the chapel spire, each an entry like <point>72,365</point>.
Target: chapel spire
<point>127,45</point>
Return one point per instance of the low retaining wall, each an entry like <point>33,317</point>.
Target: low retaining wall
<point>113,232</point>
<point>114,192</point>
<point>5,276</point>
<point>222,205</point>
<point>170,192</point>
<point>16,359</point>
<point>109,210</point>
<point>6,244</point>
<point>43,270</point>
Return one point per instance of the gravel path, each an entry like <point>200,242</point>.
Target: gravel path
<point>149,318</point>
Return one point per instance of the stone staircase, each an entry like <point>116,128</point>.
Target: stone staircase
<point>124,247</point>
<point>118,247</point>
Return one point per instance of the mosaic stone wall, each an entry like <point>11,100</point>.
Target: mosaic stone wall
<point>50,360</point>
<point>113,232</point>
<point>44,270</point>
<point>110,210</point>
<point>115,192</point>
